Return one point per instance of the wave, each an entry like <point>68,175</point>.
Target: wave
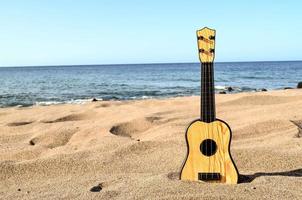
<point>127,95</point>
<point>72,101</point>
<point>235,89</point>
<point>220,87</point>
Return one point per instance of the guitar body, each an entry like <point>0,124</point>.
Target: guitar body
<point>208,158</point>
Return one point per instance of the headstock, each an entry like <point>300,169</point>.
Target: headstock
<point>206,44</point>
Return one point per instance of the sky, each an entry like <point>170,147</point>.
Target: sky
<point>67,32</point>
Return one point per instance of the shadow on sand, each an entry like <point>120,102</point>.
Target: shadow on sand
<point>250,177</point>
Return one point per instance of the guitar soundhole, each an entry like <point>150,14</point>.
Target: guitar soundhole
<point>208,147</point>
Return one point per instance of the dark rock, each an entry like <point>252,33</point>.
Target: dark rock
<point>230,89</point>
<point>222,92</point>
<point>19,189</point>
<point>288,88</point>
<point>299,85</point>
<point>94,99</point>
<point>263,90</point>
<point>97,188</point>
<point>31,142</point>
<point>138,140</point>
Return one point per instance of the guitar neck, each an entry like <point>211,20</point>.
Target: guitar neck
<point>207,105</point>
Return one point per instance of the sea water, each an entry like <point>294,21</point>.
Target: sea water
<point>47,85</point>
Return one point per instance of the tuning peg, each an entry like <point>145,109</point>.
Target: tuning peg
<point>201,50</point>
<point>200,37</point>
<point>212,50</point>
<point>212,37</point>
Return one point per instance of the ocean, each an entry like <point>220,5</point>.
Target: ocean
<point>46,85</point>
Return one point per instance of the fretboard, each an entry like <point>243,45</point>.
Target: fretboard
<point>207,104</point>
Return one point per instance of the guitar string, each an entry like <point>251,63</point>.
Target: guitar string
<point>208,109</point>
<point>211,110</point>
<point>213,106</point>
<point>214,94</point>
<point>210,102</point>
<point>211,93</point>
<point>205,105</point>
<point>207,102</point>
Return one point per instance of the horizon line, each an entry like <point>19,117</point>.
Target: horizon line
<point>151,63</point>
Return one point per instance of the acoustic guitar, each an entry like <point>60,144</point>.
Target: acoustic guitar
<point>208,138</point>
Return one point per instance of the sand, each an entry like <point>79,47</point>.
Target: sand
<point>135,149</point>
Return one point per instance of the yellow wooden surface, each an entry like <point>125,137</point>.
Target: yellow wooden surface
<point>206,44</point>
<point>220,162</point>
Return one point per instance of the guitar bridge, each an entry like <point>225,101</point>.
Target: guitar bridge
<point>209,176</point>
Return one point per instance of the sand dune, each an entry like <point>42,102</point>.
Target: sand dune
<point>135,149</point>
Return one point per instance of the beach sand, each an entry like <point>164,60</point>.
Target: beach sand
<point>135,149</point>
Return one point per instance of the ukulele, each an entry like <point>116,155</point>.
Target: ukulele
<point>208,138</point>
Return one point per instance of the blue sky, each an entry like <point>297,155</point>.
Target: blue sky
<point>56,32</point>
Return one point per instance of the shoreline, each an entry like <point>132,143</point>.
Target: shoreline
<point>85,101</point>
